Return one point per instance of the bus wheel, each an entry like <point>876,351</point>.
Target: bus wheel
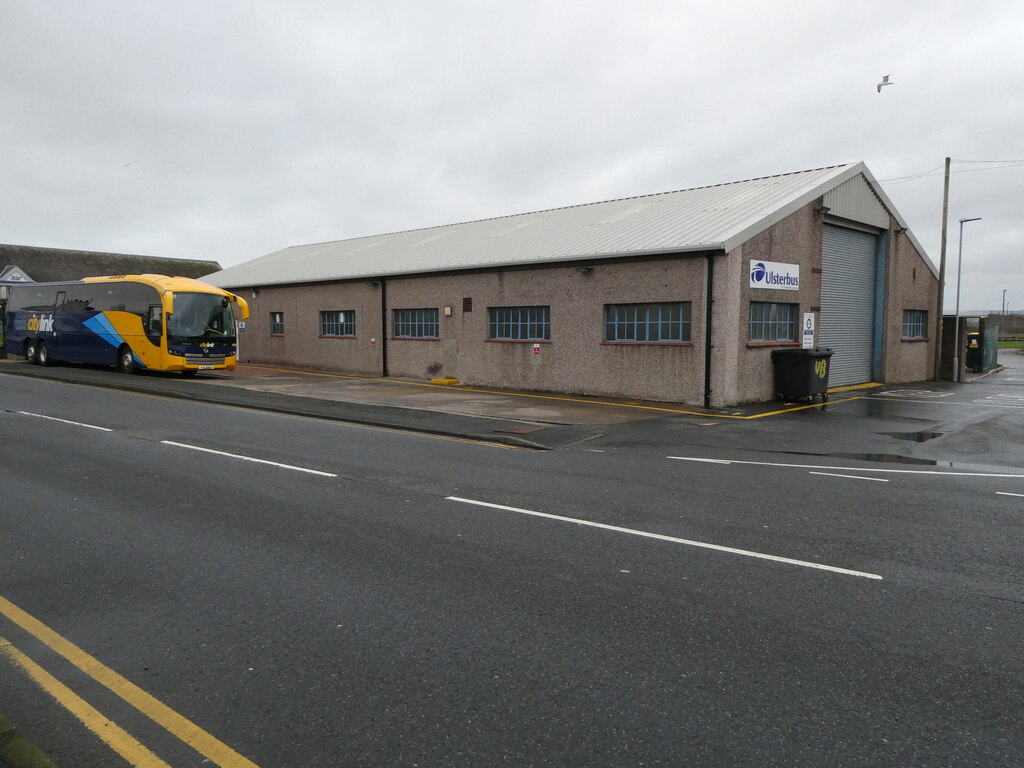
<point>43,354</point>
<point>126,360</point>
<point>30,352</point>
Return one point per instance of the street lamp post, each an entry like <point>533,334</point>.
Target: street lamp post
<point>956,320</point>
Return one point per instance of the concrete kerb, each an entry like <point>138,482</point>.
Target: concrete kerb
<point>464,426</point>
<point>970,377</point>
<point>507,431</point>
<point>384,417</point>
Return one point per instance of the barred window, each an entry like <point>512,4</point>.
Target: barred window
<point>415,323</point>
<point>519,323</point>
<point>277,323</point>
<point>915,324</point>
<point>772,322</point>
<point>666,323</point>
<point>338,323</point>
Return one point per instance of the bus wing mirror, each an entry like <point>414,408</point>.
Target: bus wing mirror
<point>169,302</point>
<point>243,307</point>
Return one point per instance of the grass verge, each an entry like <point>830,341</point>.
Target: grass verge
<point>18,752</point>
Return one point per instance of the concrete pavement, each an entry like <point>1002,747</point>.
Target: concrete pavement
<point>534,420</point>
<point>524,419</point>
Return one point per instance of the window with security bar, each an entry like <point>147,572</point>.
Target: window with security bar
<point>771,321</point>
<point>915,324</point>
<point>662,323</point>
<point>519,323</point>
<point>277,323</point>
<point>415,323</point>
<point>338,323</point>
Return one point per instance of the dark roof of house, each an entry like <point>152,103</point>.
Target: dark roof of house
<point>44,265</point>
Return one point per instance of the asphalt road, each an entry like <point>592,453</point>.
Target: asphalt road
<point>350,600</point>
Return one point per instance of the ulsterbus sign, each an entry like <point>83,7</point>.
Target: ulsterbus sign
<point>771,274</point>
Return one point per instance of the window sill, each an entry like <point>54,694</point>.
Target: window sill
<point>330,336</point>
<point>646,343</point>
<point>755,344</point>
<point>912,339</point>
<point>518,341</point>
<point>415,338</point>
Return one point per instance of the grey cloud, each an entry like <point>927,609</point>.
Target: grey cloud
<point>251,126</point>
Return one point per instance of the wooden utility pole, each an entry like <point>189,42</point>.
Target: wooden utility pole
<point>942,274</point>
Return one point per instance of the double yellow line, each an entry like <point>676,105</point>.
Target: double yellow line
<point>113,735</point>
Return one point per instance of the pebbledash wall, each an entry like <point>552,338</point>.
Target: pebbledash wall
<point>577,359</point>
<point>909,284</point>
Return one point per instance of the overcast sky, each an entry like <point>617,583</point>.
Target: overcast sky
<point>227,130</point>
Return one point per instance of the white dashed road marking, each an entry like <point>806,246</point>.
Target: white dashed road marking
<point>950,473</point>
<point>248,458</point>
<point>672,539</point>
<point>65,421</point>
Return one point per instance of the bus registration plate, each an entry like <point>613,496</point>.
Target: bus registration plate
<point>206,367</point>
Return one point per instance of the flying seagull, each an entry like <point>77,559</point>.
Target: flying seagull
<point>885,82</point>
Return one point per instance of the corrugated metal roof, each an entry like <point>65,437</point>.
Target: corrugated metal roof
<point>717,217</point>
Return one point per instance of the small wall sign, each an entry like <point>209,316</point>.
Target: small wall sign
<point>807,337</point>
<point>774,275</point>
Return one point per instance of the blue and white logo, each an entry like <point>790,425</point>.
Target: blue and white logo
<point>774,275</point>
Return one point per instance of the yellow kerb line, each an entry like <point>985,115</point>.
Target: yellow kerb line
<point>850,387</point>
<point>798,408</point>
<point>563,399</point>
<point>109,732</point>
<point>190,733</point>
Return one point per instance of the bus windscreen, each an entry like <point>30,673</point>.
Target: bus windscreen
<point>200,317</point>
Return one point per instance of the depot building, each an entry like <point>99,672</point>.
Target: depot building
<point>677,297</point>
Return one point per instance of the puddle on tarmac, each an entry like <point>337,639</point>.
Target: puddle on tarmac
<point>523,429</point>
<point>895,458</point>
<point>886,458</point>
<point>914,437</point>
<point>872,409</point>
<point>890,458</point>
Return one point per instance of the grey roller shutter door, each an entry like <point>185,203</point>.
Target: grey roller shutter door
<point>847,321</point>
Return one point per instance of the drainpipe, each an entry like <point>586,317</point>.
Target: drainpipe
<point>710,282</point>
<point>383,327</point>
<point>878,343</point>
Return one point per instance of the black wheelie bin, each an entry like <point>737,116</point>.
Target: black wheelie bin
<point>800,374</point>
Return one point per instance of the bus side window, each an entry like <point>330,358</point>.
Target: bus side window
<point>40,299</point>
<point>104,299</point>
<point>79,298</point>
<point>139,299</point>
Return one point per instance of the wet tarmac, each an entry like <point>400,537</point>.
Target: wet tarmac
<point>979,421</point>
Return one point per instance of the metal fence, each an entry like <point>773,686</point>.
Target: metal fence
<point>1011,326</point>
<point>990,349</point>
